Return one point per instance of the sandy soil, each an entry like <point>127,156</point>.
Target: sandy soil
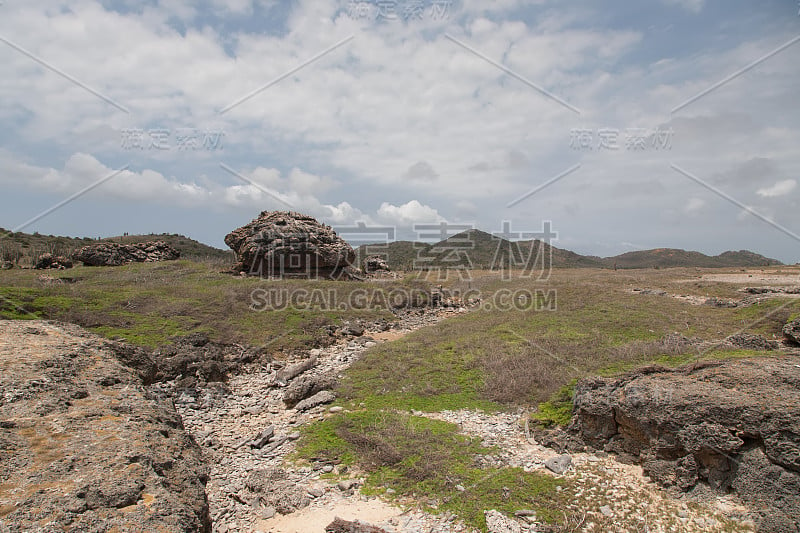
<point>753,276</point>
<point>314,519</point>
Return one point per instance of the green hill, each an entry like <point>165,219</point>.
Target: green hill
<point>477,249</point>
<point>671,257</point>
<point>24,248</point>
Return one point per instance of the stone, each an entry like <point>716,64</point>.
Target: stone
<point>58,262</point>
<point>120,455</point>
<point>318,399</point>
<point>606,511</point>
<point>749,341</point>
<point>344,526</point>
<point>351,329</point>
<point>729,425</point>
<point>347,484</point>
<point>558,464</point>
<point>306,386</point>
<point>263,438</point>
<point>791,331</point>
<point>116,254</point>
<point>286,244</point>
<point>497,522</point>
<point>375,264</point>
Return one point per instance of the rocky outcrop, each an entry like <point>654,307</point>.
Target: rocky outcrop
<point>731,425</point>
<point>749,341</point>
<point>288,244</point>
<point>116,254</point>
<point>46,261</point>
<point>83,445</point>
<point>346,526</point>
<point>791,331</point>
<point>375,264</point>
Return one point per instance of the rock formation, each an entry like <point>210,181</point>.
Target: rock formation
<point>732,425</point>
<point>46,261</point>
<point>83,445</point>
<point>791,331</point>
<point>116,254</point>
<point>288,244</point>
<point>375,264</point>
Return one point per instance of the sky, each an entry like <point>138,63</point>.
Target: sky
<point>622,126</point>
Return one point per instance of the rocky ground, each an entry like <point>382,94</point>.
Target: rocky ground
<point>247,431</point>
<point>90,441</point>
<point>83,445</point>
<point>249,488</point>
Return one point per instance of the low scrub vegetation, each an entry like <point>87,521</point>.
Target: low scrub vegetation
<point>427,460</point>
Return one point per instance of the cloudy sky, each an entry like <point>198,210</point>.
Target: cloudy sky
<point>662,123</point>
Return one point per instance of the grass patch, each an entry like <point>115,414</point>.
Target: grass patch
<point>429,461</point>
<point>148,303</point>
<point>557,411</point>
<point>488,359</point>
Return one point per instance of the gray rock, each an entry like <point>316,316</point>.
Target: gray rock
<point>263,438</point>
<point>306,386</point>
<point>792,331</point>
<point>289,244</point>
<point>118,445</point>
<point>318,399</point>
<point>497,522</point>
<point>559,464</point>
<point>344,526</point>
<point>116,254</point>
<point>728,424</point>
<point>347,484</point>
<point>751,342</point>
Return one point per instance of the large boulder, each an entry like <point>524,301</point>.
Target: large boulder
<point>792,331</point>
<point>717,423</point>
<point>116,254</point>
<point>83,445</point>
<point>288,244</point>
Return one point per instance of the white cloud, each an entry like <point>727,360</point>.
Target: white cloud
<point>397,102</point>
<point>410,213</point>
<point>781,188</point>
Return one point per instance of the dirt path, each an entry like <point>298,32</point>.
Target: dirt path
<point>223,419</point>
<point>613,496</point>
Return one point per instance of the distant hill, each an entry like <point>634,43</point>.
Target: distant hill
<point>671,257</point>
<point>480,250</point>
<point>475,249</point>
<point>22,247</point>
